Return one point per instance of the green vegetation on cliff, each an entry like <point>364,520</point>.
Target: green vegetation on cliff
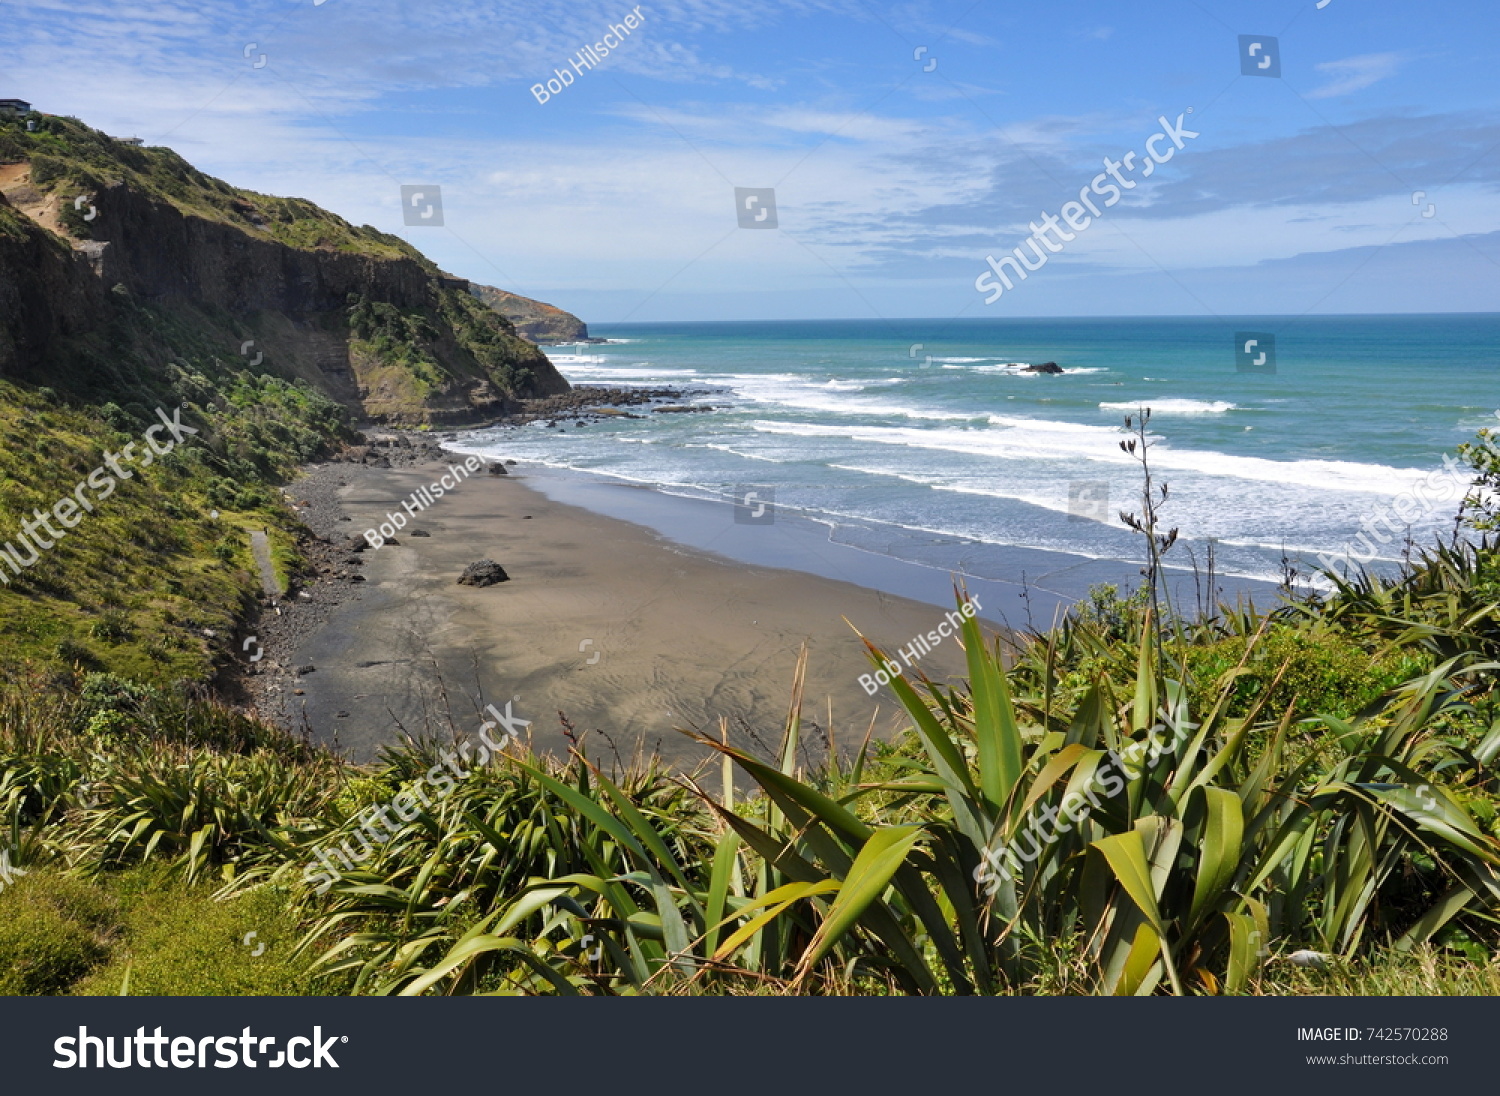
<point>69,159</point>
<point>539,322</point>
<point>131,282</point>
<point>115,259</point>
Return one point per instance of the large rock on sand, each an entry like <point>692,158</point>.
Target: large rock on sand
<point>484,573</point>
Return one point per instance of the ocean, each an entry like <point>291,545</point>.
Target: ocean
<point>927,440</point>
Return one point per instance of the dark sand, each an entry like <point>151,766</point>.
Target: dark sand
<point>616,626</point>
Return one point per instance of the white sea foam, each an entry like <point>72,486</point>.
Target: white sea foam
<point>587,369</point>
<point>1172,407</point>
<point>800,394</point>
<point>1027,440</point>
<point>1014,369</point>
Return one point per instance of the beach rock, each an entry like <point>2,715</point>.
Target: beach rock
<point>1045,367</point>
<point>510,462</point>
<point>484,573</point>
<point>309,669</point>
<point>356,578</point>
<point>498,469</point>
<point>419,533</point>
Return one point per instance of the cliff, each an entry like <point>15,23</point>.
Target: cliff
<point>111,252</point>
<point>541,323</point>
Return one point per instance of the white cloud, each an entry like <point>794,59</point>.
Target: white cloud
<point>1355,73</point>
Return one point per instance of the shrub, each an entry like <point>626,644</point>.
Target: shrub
<point>106,696</point>
<point>1324,672</point>
<point>46,168</point>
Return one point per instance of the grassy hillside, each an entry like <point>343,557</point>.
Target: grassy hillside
<point>150,585</point>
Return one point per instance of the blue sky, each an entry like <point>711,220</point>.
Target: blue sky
<point>894,177</point>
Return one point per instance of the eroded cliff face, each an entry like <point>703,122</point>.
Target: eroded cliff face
<point>91,240</point>
<point>46,290</point>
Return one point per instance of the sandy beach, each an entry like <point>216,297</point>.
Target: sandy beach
<point>625,632</point>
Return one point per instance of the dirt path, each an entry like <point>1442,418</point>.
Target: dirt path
<point>260,545</point>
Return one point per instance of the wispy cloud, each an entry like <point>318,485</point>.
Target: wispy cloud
<point>1355,73</point>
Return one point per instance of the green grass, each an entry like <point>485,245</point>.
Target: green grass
<point>145,932</point>
<point>1426,972</point>
<point>173,940</point>
<point>53,930</point>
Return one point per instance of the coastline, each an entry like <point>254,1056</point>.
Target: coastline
<point>603,620</point>
<point>630,611</point>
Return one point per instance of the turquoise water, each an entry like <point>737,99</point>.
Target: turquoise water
<point>912,449</point>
